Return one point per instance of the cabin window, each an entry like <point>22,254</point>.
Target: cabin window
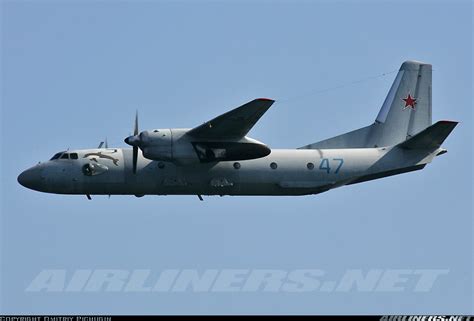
<point>273,165</point>
<point>73,156</point>
<point>310,166</point>
<point>236,165</point>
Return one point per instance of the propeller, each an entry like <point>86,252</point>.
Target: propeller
<point>134,141</point>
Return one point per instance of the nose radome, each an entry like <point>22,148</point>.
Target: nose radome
<point>31,178</point>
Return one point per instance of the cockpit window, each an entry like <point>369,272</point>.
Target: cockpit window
<point>56,156</point>
<point>64,155</point>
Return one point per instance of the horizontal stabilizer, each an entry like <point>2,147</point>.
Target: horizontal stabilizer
<point>431,137</point>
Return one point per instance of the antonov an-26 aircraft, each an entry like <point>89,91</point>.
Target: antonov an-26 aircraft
<point>217,158</point>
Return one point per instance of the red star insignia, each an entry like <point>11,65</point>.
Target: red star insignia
<point>410,102</point>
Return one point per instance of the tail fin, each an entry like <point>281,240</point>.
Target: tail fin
<point>405,112</point>
<point>407,108</point>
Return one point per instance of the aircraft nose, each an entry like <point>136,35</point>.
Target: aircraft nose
<point>31,178</point>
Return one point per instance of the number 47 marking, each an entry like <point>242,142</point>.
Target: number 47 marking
<point>324,165</point>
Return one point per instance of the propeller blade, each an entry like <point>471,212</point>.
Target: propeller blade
<point>135,130</point>
<point>133,141</point>
<point>135,148</point>
<point>135,157</point>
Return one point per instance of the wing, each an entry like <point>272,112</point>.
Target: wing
<point>235,123</point>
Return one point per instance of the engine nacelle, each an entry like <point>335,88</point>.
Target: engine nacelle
<point>174,145</point>
<point>157,144</point>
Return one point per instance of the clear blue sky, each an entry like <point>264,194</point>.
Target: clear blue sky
<point>74,73</point>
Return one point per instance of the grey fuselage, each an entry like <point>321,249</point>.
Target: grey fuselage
<point>282,172</point>
<point>217,158</point>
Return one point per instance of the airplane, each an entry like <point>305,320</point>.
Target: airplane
<point>217,158</point>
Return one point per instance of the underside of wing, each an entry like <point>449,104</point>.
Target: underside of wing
<point>233,124</point>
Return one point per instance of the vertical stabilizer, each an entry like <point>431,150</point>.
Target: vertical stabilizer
<point>407,109</point>
<point>405,112</point>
